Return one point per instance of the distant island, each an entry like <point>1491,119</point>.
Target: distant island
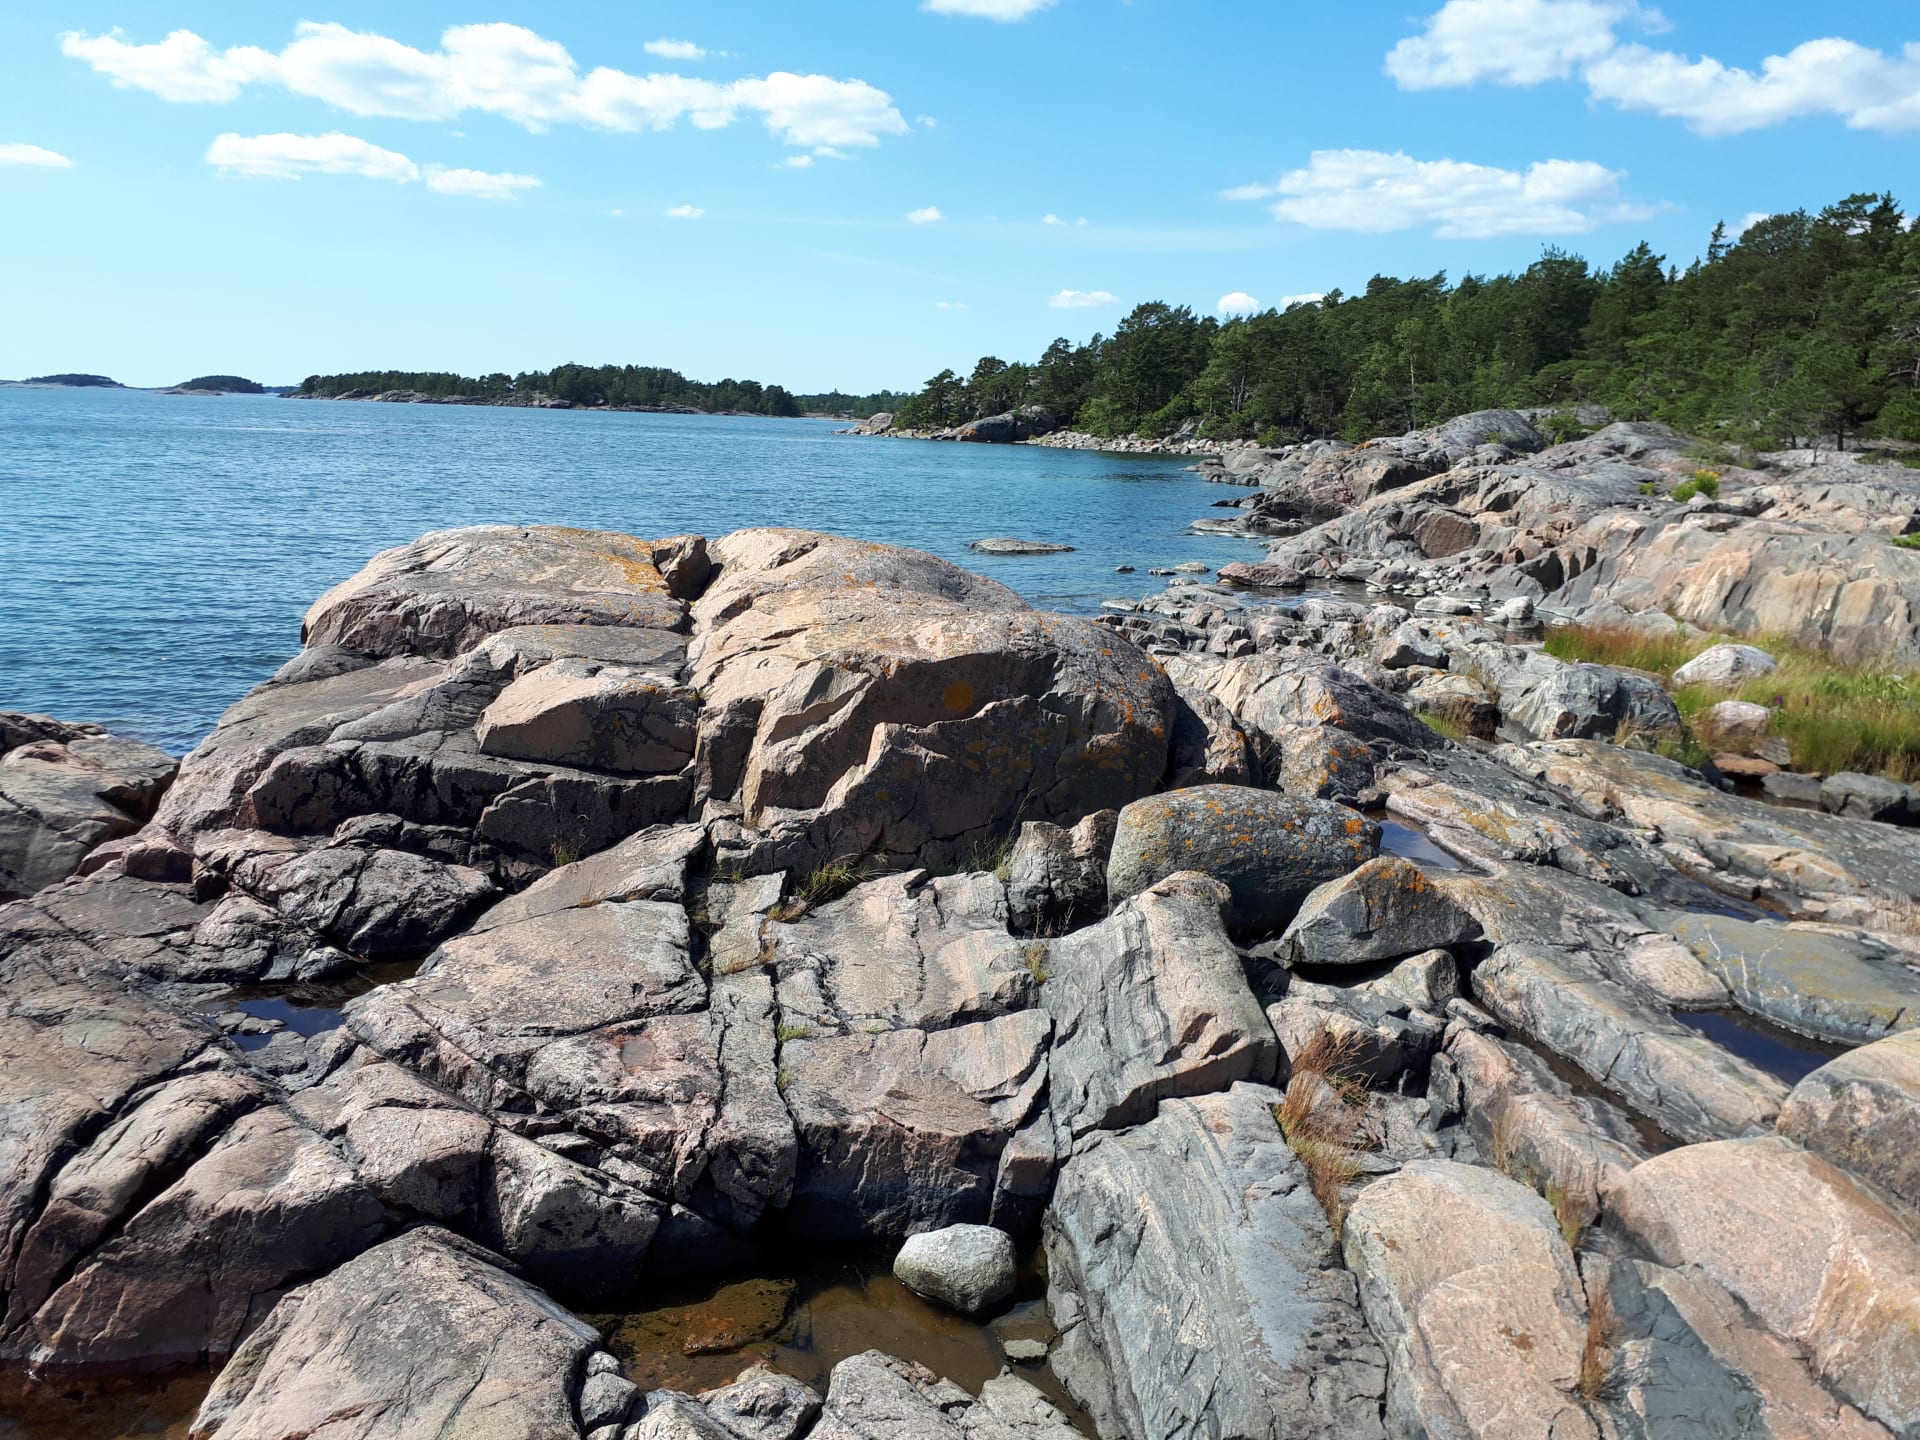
<point>77,382</point>
<point>592,387</point>
<point>222,385</point>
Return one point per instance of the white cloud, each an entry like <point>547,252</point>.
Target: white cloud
<point>927,122</point>
<point>34,155</point>
<point>1238,303</point>
<point>949,304</point>
<point>1051,220</point>
<point>616,213</point>
<point>497,69</point>
<point>1869,90</point>
<point>479,184</point>
<point>798,162</point>
<point>928,215</point>
<point>1749,220</point>
<point>674,49</point>
<point>1080,299</point>
<point>1003,10</point>
<point>685,212</point>
<point>288,157</point>
<point>1511,42</point>
<point>1287,302</point>
<point>1525,42</point>
<point>1374,192</point>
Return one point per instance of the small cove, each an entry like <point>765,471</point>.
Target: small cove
<point>803,1315</point>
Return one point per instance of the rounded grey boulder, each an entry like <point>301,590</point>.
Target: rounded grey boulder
<point>1724,666</point>
<point>966,1267</point>
<point>1270,850</point>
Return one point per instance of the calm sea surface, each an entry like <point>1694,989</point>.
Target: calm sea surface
<point>158,551</point>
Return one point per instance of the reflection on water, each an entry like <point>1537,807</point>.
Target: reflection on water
<point>304,1007</point>
<point>1409,844</point>
<point>1781,1053</point>
<point>805,1320</point>
<point>161,1408</point>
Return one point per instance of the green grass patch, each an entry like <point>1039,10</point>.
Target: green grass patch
<point>1833,715</point>
<point>1441,725</point>
<point>822,887</point>
<point>1907,542</point>
<point>1703,482</point>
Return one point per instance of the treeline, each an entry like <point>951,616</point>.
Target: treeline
<point>225,384</point>
<point>1805,326</point>
<point>642,387</point>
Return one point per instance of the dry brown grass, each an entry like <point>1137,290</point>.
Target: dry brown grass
<point>1596,1355</point>
<point>1573,1209</point>
<point>1326,1117</point>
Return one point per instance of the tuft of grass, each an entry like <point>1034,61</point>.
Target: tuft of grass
<point>564,853</point>
<point>1035,954</point>
<point>1907,542</point>
<point>1442,725</point>
<point>1325,1119</point>
<point>1649,487</point>
<point>786,1031</point>
<point>1574,1210</point>
<point>822,887</point>
<point>1504,1141</point>
<point>1596,1355</point>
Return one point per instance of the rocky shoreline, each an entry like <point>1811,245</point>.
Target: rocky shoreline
<point>709,899</point>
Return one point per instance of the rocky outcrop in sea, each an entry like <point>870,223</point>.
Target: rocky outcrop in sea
<point>686,903</point>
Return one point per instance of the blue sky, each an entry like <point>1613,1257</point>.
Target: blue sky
<point>856,195</point>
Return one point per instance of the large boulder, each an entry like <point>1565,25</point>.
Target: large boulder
<point>1151,1002</point>
<point>884,702</point>
<point>65,789</point>
<point>1207,1203</point>
<point>1862,1112</point>
<point>1270,850</point>
<point>424,1335</point>
<point>1469,1286</point>
<point>1725,667</point>
<point>970,1268</point>
<point>1058,877</point>
<point>1387,909</point>
<point>872,1396</point>
<point>1813,1254</point>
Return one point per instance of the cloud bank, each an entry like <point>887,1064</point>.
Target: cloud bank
<point>497,69</point>
<point>288,157</point>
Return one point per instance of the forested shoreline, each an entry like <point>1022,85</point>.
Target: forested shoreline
<point>618,387</point>
<point>1806,326</point>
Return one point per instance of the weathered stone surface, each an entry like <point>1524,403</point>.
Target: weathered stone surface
<point>1319,762</point>
<point>1005,545</point>
<point>763,1404</point>
<point>876,1397</point>
<point>1736,727</point>
<point>1687,1360</point>
<point>1862,1112</point>
<point>1206,1203</point>
<point>1269,850</point>
<point>1530,1123</point>
<point>65,789</point>
<point>1672,1074</point>
<point>1386,909</point>
<point>1151,1003</point>
<point>903,952</point>
<point>1869,797</point>
<point>969,1268</point>
<point>267,1205</point>
<point>601,717</point>
<point>652,865</point>
<point>1810,981</point>
<point>424,1335</point>
<point>1813,1254</point>
<point>1469,1287</point>
<point>448,591</point>
<point>903,1130</point>
<point>1057,878</point>
<point>1208,748</point>
<point>907,708</point>
<point>1813,866</point>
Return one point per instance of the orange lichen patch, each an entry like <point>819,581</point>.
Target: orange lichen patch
<point>632,558</point>
<point>958,697</point>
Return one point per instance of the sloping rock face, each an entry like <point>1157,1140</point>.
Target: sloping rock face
<point>1862,1112</point>
<point>880,702</point>
<point>1206,1203</point>
<point>424,1335</point>
<point>65,789</point>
